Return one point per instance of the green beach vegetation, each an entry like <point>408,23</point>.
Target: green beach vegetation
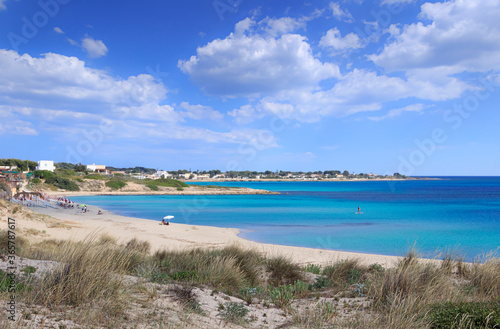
<point>100,283</point>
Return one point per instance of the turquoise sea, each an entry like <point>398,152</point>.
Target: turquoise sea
<point>450,214</point>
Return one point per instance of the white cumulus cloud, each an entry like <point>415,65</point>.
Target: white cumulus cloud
<point>339,13</point>
<point>460,36</point>
<point>60,80</point>
<point>252,64</point>
<point>198,112</point>
<point>95,48</point>
<point>334,39</point>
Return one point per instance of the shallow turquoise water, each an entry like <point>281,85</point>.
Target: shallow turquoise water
<point>460,213</point>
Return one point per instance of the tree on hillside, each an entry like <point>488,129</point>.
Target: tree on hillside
<point>22,165</point>
<point>80,168</point>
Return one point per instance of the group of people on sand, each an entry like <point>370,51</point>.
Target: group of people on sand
<point>163,222</point>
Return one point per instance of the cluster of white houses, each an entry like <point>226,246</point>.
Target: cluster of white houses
<point>101,169</point>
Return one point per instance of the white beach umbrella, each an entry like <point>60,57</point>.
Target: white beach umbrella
<point>168,217</point>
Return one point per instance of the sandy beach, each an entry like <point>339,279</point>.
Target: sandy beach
<point>76,225</point>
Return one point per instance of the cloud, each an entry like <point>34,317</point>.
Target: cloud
<point>2,5</point>
<point>82,98</point>
<point>397,112</point>
<point>95,48</point>
<point>17,127</point>
<point>333,39</point>
<point>245,114</point>
<point>198,112</point>
<point>357,91</point>
<point>58,30</point>
<point>64,81</point>
<point>391,2</point>
<point>460,36</point>
<point>275,27</point>
<point>251,62</point>
<point>339,14</point>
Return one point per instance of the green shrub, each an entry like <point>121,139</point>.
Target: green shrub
<point>78,180</point>
<point>115,184</point>
<point>93,176</point>
<point>233,312</point>
<point>36,181</point>
<point>300,289</point>
<point>168,182</point>
<point>465,315</point>
<point>153,187</point>
<point>62,183</point>
<point>354,276</point>
<point>313,268</point>
<point>44,174</point>
<point>321,283</point>
<point>180,189</point>
<point>282,296</point>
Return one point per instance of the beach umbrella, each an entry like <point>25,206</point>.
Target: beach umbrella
<point>168,217</point>
<point>82,205</point>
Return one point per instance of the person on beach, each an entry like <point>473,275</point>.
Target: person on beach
<point>164,223</point>
<point>99,212</point>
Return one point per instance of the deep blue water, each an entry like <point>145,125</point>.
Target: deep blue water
<point>454,213</point>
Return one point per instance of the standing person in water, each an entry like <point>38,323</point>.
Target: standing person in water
<point>359,209</point>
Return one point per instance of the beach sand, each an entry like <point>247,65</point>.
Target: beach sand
<point>75,225</point>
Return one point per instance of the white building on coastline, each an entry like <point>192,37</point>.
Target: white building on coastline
<point>45,165</point>
<point>97,168</point>
<point>159,173</point>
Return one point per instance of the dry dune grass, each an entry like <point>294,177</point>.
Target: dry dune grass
<point>105,284</point>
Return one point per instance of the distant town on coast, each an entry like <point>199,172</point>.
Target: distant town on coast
<point>16,172</point>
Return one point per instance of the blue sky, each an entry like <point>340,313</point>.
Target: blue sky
<point>384,86</point>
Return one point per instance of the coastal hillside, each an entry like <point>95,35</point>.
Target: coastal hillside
<point>99,184</point>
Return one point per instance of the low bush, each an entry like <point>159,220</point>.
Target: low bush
<point>313,268</point>
<point>36,181</point>
<point>282,296</point>
<point>44,174</point>
<point>152,186</point>
<point>62,183</point>
<point>465,315</point>
<point>233,312</point>
<point>115,184</point>
<point>93,176</point>
<point>168,182</point>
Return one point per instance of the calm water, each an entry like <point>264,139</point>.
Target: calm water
<point>456,213</point>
